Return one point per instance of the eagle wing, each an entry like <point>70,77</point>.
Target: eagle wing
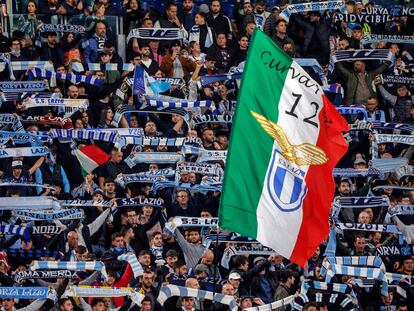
<point>274,130</point>
<point>310,155</point>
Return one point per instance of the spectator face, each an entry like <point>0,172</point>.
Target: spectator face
<point>154,44</point>
<point>405,201</point>
<point>192,178</point>
<point>78,124</point>
<point>357,34</point>
<point>153,167</point>
<point>26,245</point>
<point>145,51</point>
<point>250,28</point>
<point>116,156</point>
<point>145,259</point>
<point>100,30</point>
<point>182,197</point>
<point>15,46</point>
<point>132,217</point>
<point>199,19</point>
<point>360,244</point>
<point>316,254</point>
<point>105,58</point>
<point>394,49</point>
<point>147,279</point>
<point>342,45</point>
<point>100,306</point>
<point>182,270</point>
<point>402,91</point>
<point>371,104</point>
<point>281,28</point>
<point>192,283</point>
<point>188,303</point>
<point>157,240</point>
<point>208,136</point>
<point>377,238</point>
<point>247,8</point>
<point>408,266</point>
<point>260,8</point>
<point>73,92</point>
<point>171,260</point>
<point>150,128</point>
<point>136,61</point>
<point>51,39</point>
<point>227,289</point>
<point>194,237</point>
<point>109,187</point>
<point>359,67</point>
<point>8,304</point>
<point>66,306</point>
<point>243,43</point>
<point>133,5</point>
<point>147,210</point>
<point>148,23</point>
<point>188,5</point>
<point>118,242</point>
<point>97,197</point>
<point>31,8</point>
<point>235,283</point>
<point>17,172</point>
<point>344,188</point>
<point>206,214</point>
<point>221,40</point>
<point>73,239</point>
<point>246,303</point>
<point>208,258</point>
<point>146,306</point>
<point>134,122</point>
<point>363,218</point>
<point>387,300</point>
<point>172,12</point>
<point>402,308</point>
<point>215,7</point>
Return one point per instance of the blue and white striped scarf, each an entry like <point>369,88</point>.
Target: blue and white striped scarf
<point>274,305</point>
<point>155,34</point>
<point>24,292</point>
<point>70,265</point>
<point>26,65</point>
<point>68,134</point>
<point>212,119</point>
<point>353,172</point>
<point>401,210</point>
<point>10,182</point>
<point>172,184</point>
<point>366,54</point>
<point>32,253</point>
<point>61,28</point>
<point>310,6</point>
<point>373,38</point>
<point>13,229</point>
<point>8,118</point>
<point>23,152</point>
<point>388,164</point>
<point>179,103</point>
<point>395,126</point>
<point>73,213</point>
<point>78,67</point>
<point>362,202</point>
<point>134,202</point>
<point>134,263</point>
<point>368,227</point>
<point>19,138</point>
<point>153,157</point>
<point>345,302</point>
<point>74,78</point>
<point>396,139</point>
<point>26,203</point>
<point>168,291</point>
<point>149,141</point>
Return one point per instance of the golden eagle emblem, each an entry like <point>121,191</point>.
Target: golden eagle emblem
<point>303,154</point>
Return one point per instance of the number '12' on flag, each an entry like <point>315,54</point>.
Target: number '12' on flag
<point>286,139</point>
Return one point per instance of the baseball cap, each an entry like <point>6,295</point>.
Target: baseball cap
<point>257,259</point>
<point>235,276</point>
<point>17,164</point>
<point>359,160</point>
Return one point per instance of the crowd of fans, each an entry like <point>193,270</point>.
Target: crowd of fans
<point>212,44</point>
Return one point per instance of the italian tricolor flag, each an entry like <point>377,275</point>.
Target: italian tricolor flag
<point>286,139</point>
<point>90,157</point>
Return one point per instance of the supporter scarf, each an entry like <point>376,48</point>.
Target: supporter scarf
<point>9,182</point>
<point>366,16</point>
<point>337,89</point>
<point>23,86</point>
<point>223,238</point>
<point>352,172</point>
<point>10,96</point>
<point>134,263</point>
<point>74,78</point>
<point>344,302</point>
<point>6,119</point>
<point>21,276</point>
<point>155,34</point>
<point>199,168</point>
<point>26,203</point>
<point>13,229</point>
<point>26,65</point>
<point>78,67</point>
<point>104,291</point>
<point>172,184</point>
<point>70,265</point>
<point>310,6</point>
<point>138,132</point>
<point>397,139</point>
<point>57,102</point>
<point>387,38</point>
<point>73,213</point>
<point>150,177</point>
<point>6,58</point>
<point>207,283</point>
<point>67,134</point>
<point>243,250</point>
<point>332,287</point>
<point>407,170</point>
<point>32,253</point>
<point>360,202</point>
<point>119,112</point>
<point>149,141</point>
<point>167,291</point>
<point>23,152</point>
<point>331,246</point>
<point>361,125</point>
<point>64,123</point>
<point>212,155</point>
<point>212,119</point>
<point>193,140</point>
<point>78,202</point>
<point>401,210</point>
<point>153,157</point>
<point>368,227</point>
<point>275,305</point>
<point>206,80</point>
<point>24,292</point>
<point>19,138</point>
<point>393,126</point>
<point>388,165</point>
<point>46,229</point>
<point>373,261</point>
<point>395,250</point>
<point>62,28</point>
<point>177,82</point>
<point>195,222</point>
<point>183,104</point>
<point>353,111</point>
<point>133,202</point>
<point>353,55</point>
<point>391,79</point>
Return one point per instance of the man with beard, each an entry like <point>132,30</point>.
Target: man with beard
<point>186,15</point>
<point>218,21</point>
<point>150,66</point>
<point>344,189</point>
